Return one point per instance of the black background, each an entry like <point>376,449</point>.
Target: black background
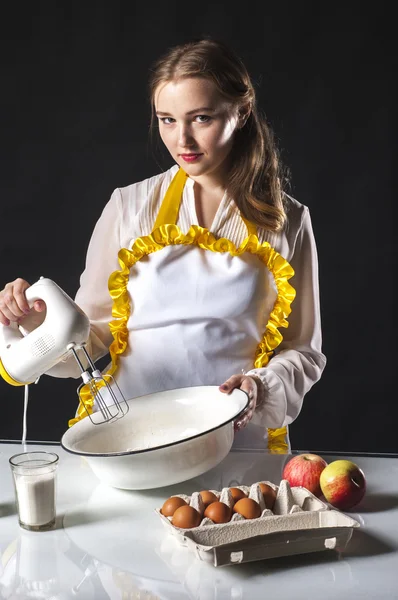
<point>74,126</point>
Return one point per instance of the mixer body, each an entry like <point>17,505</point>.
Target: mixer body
<point>24,357</point>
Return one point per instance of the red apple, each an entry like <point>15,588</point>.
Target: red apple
<point>343,484</point>
<point>305,470</point>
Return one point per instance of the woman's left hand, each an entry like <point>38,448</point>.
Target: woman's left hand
<point>246,384</point>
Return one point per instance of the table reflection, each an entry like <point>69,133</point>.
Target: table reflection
<point>202,581</point>
<point>49,566</point>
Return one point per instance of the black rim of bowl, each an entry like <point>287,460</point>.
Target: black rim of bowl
<point>146,450</point>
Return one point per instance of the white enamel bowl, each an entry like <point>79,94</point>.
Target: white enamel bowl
<point>165,438</point>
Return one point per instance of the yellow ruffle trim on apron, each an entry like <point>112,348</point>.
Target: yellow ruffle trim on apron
<point>167,235</point>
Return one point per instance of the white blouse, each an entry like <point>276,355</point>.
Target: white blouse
<point>131,213</point>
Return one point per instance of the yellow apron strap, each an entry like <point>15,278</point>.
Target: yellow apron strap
<point>168,212</point>
<point>251,228</point>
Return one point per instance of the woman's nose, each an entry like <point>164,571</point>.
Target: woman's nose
<point>185,136</point>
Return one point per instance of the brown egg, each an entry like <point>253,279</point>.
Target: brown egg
<point>218,512</point>
<point>186,517</point>
<point>269,495</point>
<point>207,497</point>
<point>237,494</point>
<point>171,504</point>
<point>248,508</point>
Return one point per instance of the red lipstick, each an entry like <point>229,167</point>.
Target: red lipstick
<point>189,158</point>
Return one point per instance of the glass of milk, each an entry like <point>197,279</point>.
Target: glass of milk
<point>34,475</point>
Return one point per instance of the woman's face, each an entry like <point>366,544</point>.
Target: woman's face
<point>197,125</point>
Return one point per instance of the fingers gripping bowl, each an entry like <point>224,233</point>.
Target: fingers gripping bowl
<point>165,438</point>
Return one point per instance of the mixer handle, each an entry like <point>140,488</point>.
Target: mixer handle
<point>63,316</point>
<point>44,289</point>
<point>12,333</point>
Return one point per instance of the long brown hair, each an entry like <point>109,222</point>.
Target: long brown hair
<point>256,177</point>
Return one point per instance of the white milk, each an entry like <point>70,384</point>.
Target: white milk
<point>36,498</point>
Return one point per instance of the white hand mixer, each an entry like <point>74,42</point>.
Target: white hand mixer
<point>25,356</point>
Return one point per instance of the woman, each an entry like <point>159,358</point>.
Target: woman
<point>211,267</point>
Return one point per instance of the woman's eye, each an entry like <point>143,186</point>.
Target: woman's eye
<point>203,118</point>
<point>197,118</point>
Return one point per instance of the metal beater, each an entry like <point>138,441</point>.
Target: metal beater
<point>96,381</point>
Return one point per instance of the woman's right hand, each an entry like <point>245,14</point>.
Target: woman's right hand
<point>13,303</point>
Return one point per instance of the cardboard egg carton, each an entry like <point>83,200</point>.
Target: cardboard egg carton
<point>298,523</point>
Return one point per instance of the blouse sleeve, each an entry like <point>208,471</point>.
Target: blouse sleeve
<point>93,295</point>
<point>298,362</point>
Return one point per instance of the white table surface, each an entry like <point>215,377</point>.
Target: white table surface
<point>111,544</point>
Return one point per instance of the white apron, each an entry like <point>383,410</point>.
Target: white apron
<point>191,310</point>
